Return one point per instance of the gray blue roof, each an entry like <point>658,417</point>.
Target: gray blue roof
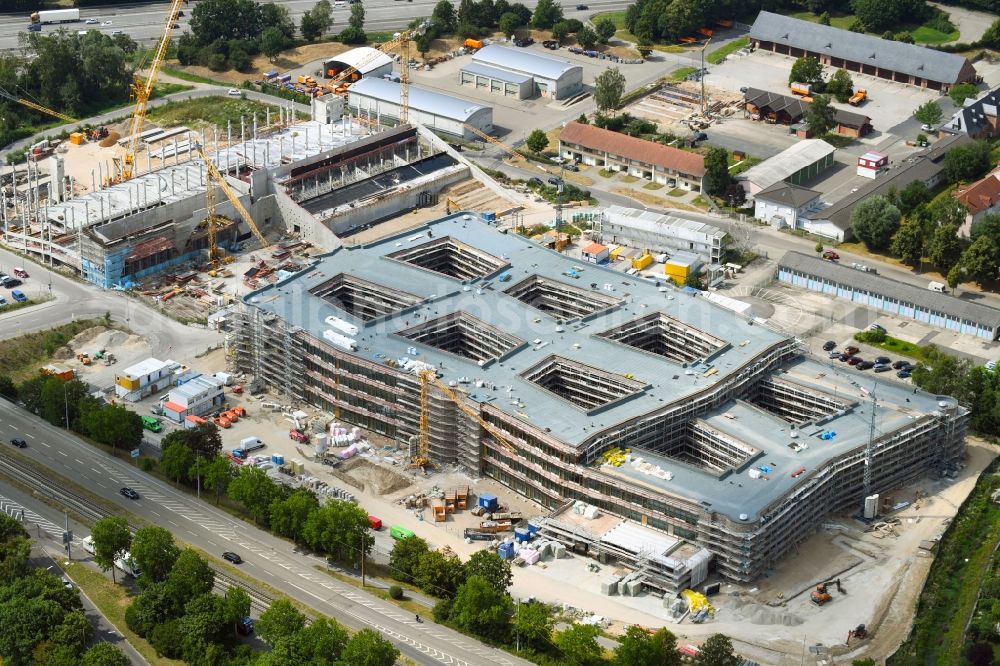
<point>858,47</point>
<point>496,73</point>
<point>522,60</point>
<point>421,99</point>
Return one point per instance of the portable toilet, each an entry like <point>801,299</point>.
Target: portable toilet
<point>489,501</point>
<point>277,459</point>
<point>521,534</point>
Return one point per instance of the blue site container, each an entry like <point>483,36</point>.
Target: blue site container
<point>278,459</point>
<point>521,534</point>
<point>490,217</point>
<point>506,550</point>
<point>532,528</point>
<point>488,501</point>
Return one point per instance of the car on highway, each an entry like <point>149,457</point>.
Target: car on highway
<point>107,23</point>
<point>233,92</point>
<point>582,8</point>
<point>115,33</point>
<point>19,443</point>
<point>829,345</point>
<point>129,493</point>
<point>230,556</point>
<point>92,21</point>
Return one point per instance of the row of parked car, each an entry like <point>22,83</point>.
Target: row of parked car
<point>12,281</point>
<point>850,356</point>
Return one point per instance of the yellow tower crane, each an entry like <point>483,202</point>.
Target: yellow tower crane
<point>501,145</point>
<point>234,199</point>
<point>428,377</point>
<point>37,107</point>
<point>141,91</point>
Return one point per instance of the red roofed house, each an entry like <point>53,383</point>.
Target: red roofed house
<point>640,158</point>
<point>595,253</point>
<point>980,198</point>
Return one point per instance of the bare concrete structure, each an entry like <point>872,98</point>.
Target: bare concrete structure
<point>739,443</point>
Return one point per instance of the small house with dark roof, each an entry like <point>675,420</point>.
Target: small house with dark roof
<point>978,118</point>
<point>860,53</point>
<point>783,204</point>
<point>780,109</point>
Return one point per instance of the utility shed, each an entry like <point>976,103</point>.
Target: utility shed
<point>553,77</point>
<point>440,112</point>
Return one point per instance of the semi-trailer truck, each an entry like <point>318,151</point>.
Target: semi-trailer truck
<point>56,16</point>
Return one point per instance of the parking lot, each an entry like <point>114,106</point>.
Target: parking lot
<point>888,105</point>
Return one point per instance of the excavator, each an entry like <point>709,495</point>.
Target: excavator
<point>820,596</point>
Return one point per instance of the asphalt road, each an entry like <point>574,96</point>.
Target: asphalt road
<point>75,300</point>
<point>265,557</point>
<point>145,22</point>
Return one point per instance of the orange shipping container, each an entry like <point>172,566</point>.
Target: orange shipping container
<point>77,138</point>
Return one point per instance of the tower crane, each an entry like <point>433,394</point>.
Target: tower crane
<point>37,107</point>
<point>428,377</point>
<point>500,144</point>
<point>234,199</point>
<point>141,91</point>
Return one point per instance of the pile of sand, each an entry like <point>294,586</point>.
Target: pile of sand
<point>376,479</point>
<point>757,613</point>
<point>100,337</point>
<point>110,139</point>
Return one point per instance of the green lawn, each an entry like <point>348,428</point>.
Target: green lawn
<point>717,56</point>
<point>215,111</point>
<point>925,35</point>
<point>908,349</point>
<point>700,202</point>
<point>629,179</point>
<point>679,75</point>
<point>652,186</point>
<point>618,18</point>
<point>193,78</point>
<point>676,192</point>
<point>839,21</point>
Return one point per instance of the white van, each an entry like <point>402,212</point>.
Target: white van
<point>938,287</point>
<point>88,544</point>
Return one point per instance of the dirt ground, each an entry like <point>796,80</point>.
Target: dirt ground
<point>291,59</point>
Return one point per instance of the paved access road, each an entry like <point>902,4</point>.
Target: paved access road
<point>266,558</point>
<point>145,22</point>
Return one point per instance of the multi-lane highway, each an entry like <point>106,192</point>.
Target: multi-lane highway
<point>145,22</point>
<point>266,558</point>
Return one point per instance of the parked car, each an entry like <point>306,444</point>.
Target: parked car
<point>829,345</point>
<point>854,360</point>
<point>845,357</point>
<point>831,255</point>
<point>883,360</point>
<point>230,556</point>
<point>569,166</point>
<point>927,128</point>
<point>876,327</point>
<point>882,367</point>
<point>903,374</point>
<point>866,365</point>
<point>129,493</point>
<point>835,354</point>
<point>851,349</point>
<point>233,92</point>
<point>18,296</point>
<point>19,443</point>
<point>3,301</point>
<point>11,282</point>
<point>898,365</point>
<point>535,181</point>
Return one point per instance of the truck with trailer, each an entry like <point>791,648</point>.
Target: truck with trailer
<point>55,16</point>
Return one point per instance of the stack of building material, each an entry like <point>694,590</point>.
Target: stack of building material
<point>529,555</point>
<point>438,510</point>
<point>609,586</point>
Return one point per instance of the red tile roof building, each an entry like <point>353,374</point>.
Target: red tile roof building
<point>640,158</point>
<point>980,198</point>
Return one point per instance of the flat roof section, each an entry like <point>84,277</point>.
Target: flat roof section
<point>496,73</point>
<point>525,61</point>
<point>421,99</point>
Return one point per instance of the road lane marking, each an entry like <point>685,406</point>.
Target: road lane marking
<point>78,460</point>
<point>213,543</point>
<point>154,513</point>
<point>173,523</point>
<point>45,445</point>
<point>63,453</point>
<point>100,484</point>
<point>28,434</point>
<point>94,470</point>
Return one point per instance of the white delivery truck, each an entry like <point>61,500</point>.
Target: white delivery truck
<point>56,16</point>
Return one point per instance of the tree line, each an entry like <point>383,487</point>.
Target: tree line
<point>177,612</point>
<point>42,622</point>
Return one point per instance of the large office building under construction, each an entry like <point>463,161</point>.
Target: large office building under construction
<point>651,404</point>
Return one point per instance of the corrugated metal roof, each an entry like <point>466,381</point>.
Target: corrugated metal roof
<point>788,162</point>
<point>902,291</point>
<point>353,57</point>
<point>660,223</point>
<point>786,193</point>
<point>858,47</point>
<point>496,73</point>
<point>521,60</point>
<point>421,99</point>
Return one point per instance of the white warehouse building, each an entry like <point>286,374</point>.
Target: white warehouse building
<point>657,232</point>
<point>370,63</point>
<point>379,99</point>
<point>520,73</point>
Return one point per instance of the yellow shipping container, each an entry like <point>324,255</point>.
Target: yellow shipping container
<point>126,382</point>
<point>615,252</point>
<point>676,273</point>
<point>77,138</point>
<point>642,262</point>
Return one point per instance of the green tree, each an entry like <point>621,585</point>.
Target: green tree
<point>151,609</point>
<point>945,247</point>
<point>7,388</point>
<point>212,20</point>
<point>111,536</point>
<point>216,475</point>
<point>117,427</point>
<point>60,398</point>
<point>289,515</point>
<point>821,115</point>
<point>928,113</point>
<point>272,42</point>
<point>15,550</point>
<point>490,566</point>
<point>717,176</point>
<point>205,440</point>
<point>867,661</point>
<point>25,623</point>
<point>717,650</point>
<point>405,556</point>
<point>880,15</point>
<point>254,490</point>
<point>368,648</point>
<point>104,654</point>
<point>955,276</point>
<point>840,85</point>
<point>981,260</point>
<point>911,196</point>
<point>75,631</point>
<point>322,642</point>
<point>439,574</point>
<point>190,577</point>
<point>281,620</point>
<point>276,16</point>
<point>578,645</point>
<point>537,141</point>
<point>609,86</point>
<point>560,30</point>
<point>874,221</point>
<point>176,461</point>
<point>509,22</point>
<point>605,29</point>
<point>340,529</point>
<point>637,647</point>
<point>480,609</point>
<point>806,70</point>
<point>693,280</point>
<point>309,26</point>
<point>824,18</point>
<point>155,552</point>
<point>203,626</point>
<point>908,242</point>
<point>443,16</point>
<point>989,225</point>
<point>962,92</point>
<point>533,623</point>
<point>968,162</point>
<point>818,248</point>
<point>991,38</point>
<point>316,21</point>
<point>357,19</point>
<point>547,13</point>
<point>587,38</point>
<point>237,603</point>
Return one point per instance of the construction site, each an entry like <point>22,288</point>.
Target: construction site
<point>467,346</point>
